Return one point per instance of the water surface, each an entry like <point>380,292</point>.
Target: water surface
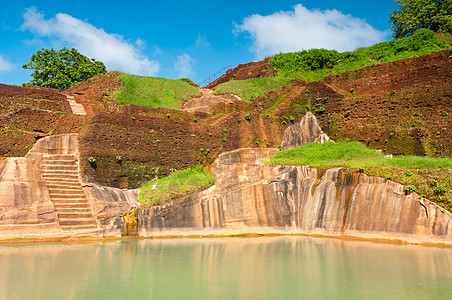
<point>229,268</point>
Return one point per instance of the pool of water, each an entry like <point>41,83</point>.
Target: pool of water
<point>227,268</point>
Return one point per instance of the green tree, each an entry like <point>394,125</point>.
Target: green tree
<point>435,15</point>
<point>62,69</point>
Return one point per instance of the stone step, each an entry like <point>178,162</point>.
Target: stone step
<point>63,184</point>
<point>58,168</point>
<point>60,179</point>
<point>79,221</point>
<point>50,157</point>
<point>46,176</point>
<point>60,191</point>
<point>74,209</point>
<point>74,215</point>
<point>59,172</point>
<point>70,205</point>
<point>69,185</point>
<point>60,199</point>
<point>79,227</point>
<point>69,200</point>
<point>52,162</point>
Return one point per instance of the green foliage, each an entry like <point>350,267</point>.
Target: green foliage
<point>177,185</point>
<point>62,69</point>
<point>91,160</point>
<point>330,62</point>
<point>412,15</point>
<point>250,89</point>
<point>440,190</point>
<point>248,116</point>
<point>352,154</point>
<point>154,92</point>
<point>306,60</point>
<point>410,189</point>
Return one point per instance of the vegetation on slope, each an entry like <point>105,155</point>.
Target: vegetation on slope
<point>250,89</point>
<point>316,64</point>
<point>177,185</point>
<point>430,177</point>
<point>154,92</point>
<point>352,154</point>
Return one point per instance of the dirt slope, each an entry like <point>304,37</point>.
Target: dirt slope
<point>402,107</point>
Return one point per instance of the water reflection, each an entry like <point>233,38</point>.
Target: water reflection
<point>230,268</point>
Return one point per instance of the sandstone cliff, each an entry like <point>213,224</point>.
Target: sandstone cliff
<point>252,197</point>
<point>42,194</point>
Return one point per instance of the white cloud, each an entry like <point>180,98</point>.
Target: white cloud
<point>202,41</point>
<point>5,65</point>
<point>302,29</point>
<point>111,49</point>
<point>183,65</point>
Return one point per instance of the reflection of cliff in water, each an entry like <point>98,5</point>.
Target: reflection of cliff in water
<point>233,268</point>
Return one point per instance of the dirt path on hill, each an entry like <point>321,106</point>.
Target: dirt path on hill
<point>207,100</point>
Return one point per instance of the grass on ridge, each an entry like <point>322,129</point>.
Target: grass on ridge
<point>154,91</point>
<point>177,185</point>
<point>352,154</point>
<point>429,177</point>
<point>250,89</point>
<point>316,64</point>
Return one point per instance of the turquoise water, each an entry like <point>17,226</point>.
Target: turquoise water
<point>228,268</point>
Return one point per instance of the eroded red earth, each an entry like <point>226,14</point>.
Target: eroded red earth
<point>402,107</point>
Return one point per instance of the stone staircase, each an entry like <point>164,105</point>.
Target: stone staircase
<point>61,175</point>
<point>77,108</point>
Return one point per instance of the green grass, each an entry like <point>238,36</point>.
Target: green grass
<point>250,89</point>
<point>352,154</point>
<point>177,185</point>
<point>316,64</point>
<point>428,176</point>
<point>154,92</point>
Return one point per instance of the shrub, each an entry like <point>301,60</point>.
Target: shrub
<point>410,189</point>
<point>440,190</point>
<point>248,116</point>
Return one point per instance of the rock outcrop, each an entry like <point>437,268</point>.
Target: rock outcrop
<point>42,194</point>
<point>306,132</point>
<point>250,197</point>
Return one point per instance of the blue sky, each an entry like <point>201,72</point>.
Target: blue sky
<point>183,38</point>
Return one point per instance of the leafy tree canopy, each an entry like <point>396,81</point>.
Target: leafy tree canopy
<point>435,15</point>
<point>62,69</point>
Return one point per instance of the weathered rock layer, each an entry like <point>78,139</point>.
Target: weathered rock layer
<point>42,194</point>
<point>252,197</point>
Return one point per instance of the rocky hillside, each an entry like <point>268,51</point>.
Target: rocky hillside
<point>402,107</point>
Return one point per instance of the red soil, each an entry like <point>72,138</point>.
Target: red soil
<point>402,107</point>
<point>250,70</point>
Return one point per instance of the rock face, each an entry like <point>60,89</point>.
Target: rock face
<point>42,194</point>
<point>306,132</point>
<point>252,197</point>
